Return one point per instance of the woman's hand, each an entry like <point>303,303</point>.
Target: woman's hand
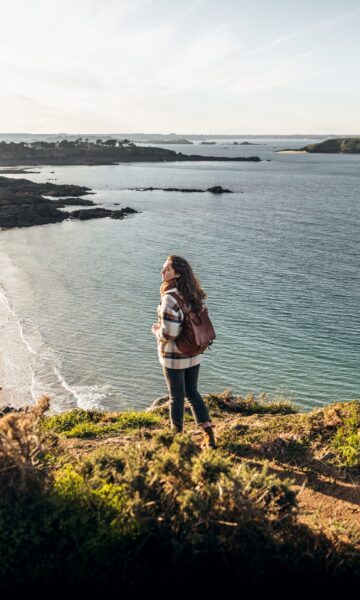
<point>155,328</point>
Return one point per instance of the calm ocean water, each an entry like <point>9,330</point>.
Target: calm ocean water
<point>279,259</point>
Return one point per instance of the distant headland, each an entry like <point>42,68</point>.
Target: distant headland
<point>108,152</point>
<point>342,145</point>
<point>350,145</point>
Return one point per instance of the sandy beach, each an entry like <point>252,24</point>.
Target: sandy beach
<point>292,152</point>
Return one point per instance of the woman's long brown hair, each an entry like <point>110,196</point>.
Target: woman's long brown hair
<point>188,284</point>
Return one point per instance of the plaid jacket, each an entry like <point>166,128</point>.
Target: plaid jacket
<point>170,317</point>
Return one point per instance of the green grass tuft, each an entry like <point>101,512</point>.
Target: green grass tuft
<point>68,420</point>
<point>249,405</point>
<point>93,424</point>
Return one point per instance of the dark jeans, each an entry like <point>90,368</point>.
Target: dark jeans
<point>181,383</point>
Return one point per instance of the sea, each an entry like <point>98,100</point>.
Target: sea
<point>278,258</point>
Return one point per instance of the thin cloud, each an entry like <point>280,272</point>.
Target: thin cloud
<point>323,25</point>
<point>277,77</point>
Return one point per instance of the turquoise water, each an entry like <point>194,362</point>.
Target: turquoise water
<point>279,259</point>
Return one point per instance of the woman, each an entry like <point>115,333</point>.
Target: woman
<point>181,371</point>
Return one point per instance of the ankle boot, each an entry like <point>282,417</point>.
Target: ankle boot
<point>209,436</point>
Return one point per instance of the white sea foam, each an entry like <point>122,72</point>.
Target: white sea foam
<point>85,397</point>
<point>29,368</point>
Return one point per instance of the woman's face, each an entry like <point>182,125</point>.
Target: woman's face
<point>168,272</point>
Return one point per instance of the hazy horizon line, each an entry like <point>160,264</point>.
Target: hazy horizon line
<point>173,134</point>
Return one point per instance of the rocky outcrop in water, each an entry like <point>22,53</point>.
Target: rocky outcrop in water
<point>100,213</point>
<point>216,189</point>
<point>73,202</point>
<point>23,204</point>
<point>26,186</point>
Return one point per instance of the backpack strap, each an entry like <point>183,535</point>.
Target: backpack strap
<point>180,302</point>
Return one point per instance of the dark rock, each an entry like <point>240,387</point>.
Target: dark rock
<point>121,214</point>
<point>73,202</point>
<point>18,210</point>
<point>128,210</point>
<point>22,205</point>
<point>46,189</point>
<point>117,214</point>
<point>100,213</point>
<point>91,213</point>
<point>184,190</point>
<point>217,189</point>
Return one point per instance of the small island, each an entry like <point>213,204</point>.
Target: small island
<point>24,203</point>
<point>108,152</point>
<point>243,144</point>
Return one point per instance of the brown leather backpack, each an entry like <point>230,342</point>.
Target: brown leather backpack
<point>197,331</point>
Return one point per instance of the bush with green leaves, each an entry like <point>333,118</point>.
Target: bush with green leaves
<point>346,441</point>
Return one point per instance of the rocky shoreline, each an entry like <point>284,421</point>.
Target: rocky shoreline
<point>24,203</point>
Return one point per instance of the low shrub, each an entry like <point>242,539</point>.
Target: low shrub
<point>346,441</point>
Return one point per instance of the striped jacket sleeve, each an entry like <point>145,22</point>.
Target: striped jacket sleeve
<point>170,319</point>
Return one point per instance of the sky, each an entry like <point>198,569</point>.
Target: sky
<point>195,66</point>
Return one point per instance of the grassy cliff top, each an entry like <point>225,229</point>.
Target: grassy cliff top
<point>117,497</point>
